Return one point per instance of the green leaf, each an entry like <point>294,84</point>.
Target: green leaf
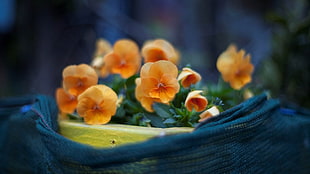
<point>194,118</point>
<point>180,97</point>
<point>162,110</point>
<point>155,120</point>
<point>120,112</point>
<point>130,86</point>
<point>130,82</point>
<point>117,84</point>
<point>170,121</point>
<point>74,116</point>
<point>131,107</point>
<point>139,119</point>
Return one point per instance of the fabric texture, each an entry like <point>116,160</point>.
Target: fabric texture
<point>257,136</point>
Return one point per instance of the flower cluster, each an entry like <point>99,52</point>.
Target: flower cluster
<point>154,94</point>
<point>96,103</point>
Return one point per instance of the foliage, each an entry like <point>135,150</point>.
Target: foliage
<point>286,73</point>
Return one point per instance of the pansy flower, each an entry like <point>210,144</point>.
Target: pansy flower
<point>104,71</point>
<point>159,49</point>
<point>159,80</point>
<point>65,101</point>
<point>97,104</point>
<point>235,67</point>
<point>77,78</point>
<point>158,83</point>
<point>103,47</point>
<point>196,101</point>
<point>188,77</point>
<point>213,111</point>
<point>145,100</point>
<point>125,58</point>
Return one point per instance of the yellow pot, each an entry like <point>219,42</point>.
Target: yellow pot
<point>111,135</point>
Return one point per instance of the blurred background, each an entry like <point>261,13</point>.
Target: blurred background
<point>40,38</point>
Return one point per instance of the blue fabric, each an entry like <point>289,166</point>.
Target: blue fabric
<point>257,136</point>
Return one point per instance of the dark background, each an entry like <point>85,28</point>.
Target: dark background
<point>39,38</point>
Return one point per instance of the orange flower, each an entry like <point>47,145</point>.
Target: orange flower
<point>158,83</point>
<point>235,67</point>
<point>145,100</point>
<point>104,71</point>
<point>159,80</point>
<point>213,111</point>
<point>100,66</point>
<point>77,78</point>
<point>188,77</point>
<point>196,101</point>
<point>97,104</point>
<point>124,59</point>
<point>102,48</point>
<point>159,49</point>
<point>65,101</point>
<point>98,63</point>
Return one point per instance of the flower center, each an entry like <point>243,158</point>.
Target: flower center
<point>160,85</point>
<point>79,83</point>
<point>96,107</point>
<point>238,73</point>
<point>72,97</point>
<point>123,62</point>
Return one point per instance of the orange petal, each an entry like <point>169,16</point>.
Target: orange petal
<point>238,82</point>
<point>144,99</point>
<point>99,93</point>
<point>102,47</point>
<point>148,84</point>
<point>77,78</point>
<point>97,104</point>
<point>145,69</point>
<point>138,90</point>
<point>125,59</point>
<point>85,105</point>
<point>164,94</point>
<point>126,70</point>
<point>154,54</point>
<point>79,70</point>
<point>76,85</point>
<point>112,59</point>
<point>104,71</point>
<point>171,84</point>
<point>97,62</point>
<point>196,101</point>
<point>189,77</point>
<point>159,68</point>
<point>66,102</point>
<point>125,46</point>
<point>213,111</point>
<point>225,62</point>
<point>167,95</point>
<point>159,49</point>
<point>97,117</point>
<point>235,67</point>
<point>147,103</point>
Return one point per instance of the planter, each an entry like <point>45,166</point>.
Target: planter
<point>112,135</point>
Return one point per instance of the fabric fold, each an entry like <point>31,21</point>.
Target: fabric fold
<point>256,136</point>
